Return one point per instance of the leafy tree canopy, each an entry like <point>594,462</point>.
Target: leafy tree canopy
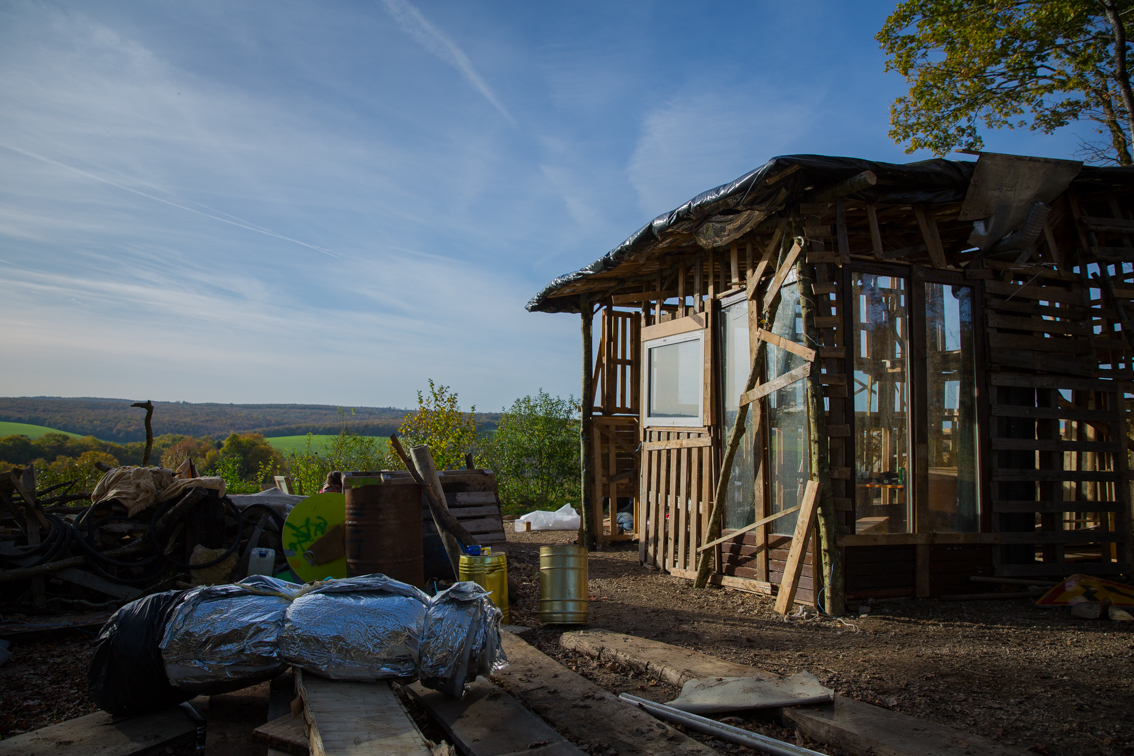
<point>1036,64</point>
<point>439,424</point>
<point>535,453</point>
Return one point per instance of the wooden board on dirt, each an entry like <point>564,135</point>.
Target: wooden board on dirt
<point>583,711</point>
<point>672,664</point>
<point>284,734</point>
<point>100,734</point>
<point>864,729</point>
<point>489,722</point>
<point>357,718</point>
<point>855,727</point>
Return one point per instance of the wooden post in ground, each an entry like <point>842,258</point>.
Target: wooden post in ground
<point>831,566</point>
<point>587,525</point>
<point>794,566</point>
<point>148,406</point>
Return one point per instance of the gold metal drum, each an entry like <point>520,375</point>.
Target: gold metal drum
<point>563,584</point>
<point>490,572</point>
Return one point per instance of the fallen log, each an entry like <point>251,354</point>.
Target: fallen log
<point>440,512</point>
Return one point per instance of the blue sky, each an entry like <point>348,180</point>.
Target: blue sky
<point>334,202</point>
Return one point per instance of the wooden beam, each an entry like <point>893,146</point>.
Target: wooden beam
<point>875,232</point>
<point>357,718</point>
<point>776,384</point>
<point>781,274</point>
<point>791,346</point>
<point>766,260</point>
<point>794,567</point>
<point>753,526</point>
<point>642,296</point>
<point>928,225</point>
<point>841,231</point>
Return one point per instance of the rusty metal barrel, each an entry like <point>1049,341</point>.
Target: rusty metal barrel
<point>563,584</point>
<point>383,530</point>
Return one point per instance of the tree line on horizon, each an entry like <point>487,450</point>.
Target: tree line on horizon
<point>533,447</point>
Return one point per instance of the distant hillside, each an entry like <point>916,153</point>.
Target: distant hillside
<point>116,420</point>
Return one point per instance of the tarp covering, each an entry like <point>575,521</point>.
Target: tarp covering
<point>711,215</point>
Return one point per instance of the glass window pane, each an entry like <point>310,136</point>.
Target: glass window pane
<point>739,506</point>
<point>676,373</point>
<point>881,404</point>
<point>951,394</point>
<point>789,454</point>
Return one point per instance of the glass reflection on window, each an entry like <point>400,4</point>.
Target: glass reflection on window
<point>881,404</point>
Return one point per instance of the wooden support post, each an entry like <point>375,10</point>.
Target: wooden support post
<point>794,566</point>
<point>423,461</point>
<point>928,225</point>
<point>875,232</point>
<point>841,231</point>
<point>827,551</point>
<point>587,525</point>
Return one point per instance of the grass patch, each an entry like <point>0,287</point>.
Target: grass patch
<point>31,431</point>
<point>298,444</point>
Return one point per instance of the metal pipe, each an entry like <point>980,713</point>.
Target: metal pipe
<point>718,730</point>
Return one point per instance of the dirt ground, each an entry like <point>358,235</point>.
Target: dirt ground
<point>1035,678</point>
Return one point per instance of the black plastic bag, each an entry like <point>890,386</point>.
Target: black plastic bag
<point>127,675</point>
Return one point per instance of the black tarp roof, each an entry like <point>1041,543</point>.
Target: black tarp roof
<point>935,181</point>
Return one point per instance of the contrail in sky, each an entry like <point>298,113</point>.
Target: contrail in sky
<point>239,223</point>
<point>432,39</point>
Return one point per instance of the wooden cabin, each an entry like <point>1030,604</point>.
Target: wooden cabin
<point>962,332</point>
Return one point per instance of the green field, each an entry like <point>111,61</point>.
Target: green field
<point>299,443</point>
<point>31,431</point>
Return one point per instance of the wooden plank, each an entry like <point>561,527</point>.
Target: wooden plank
<point>776,384</point>
<point>781,274</point>
<point>356,718</point>
<point>841,231</point>
<point>284,734</point>
<point>921,570</point>
<point>489,722</point>
<point>1056,506</point>
<point>465,498</point>
<point>1061,569</point>
<point>695,322</point>
<point>584,712</point>
<point>864,729</point>
<point>1050,413</point>
<point>927,223</point>
<point>640,297</point>
<point>746,528</point>
<point>1060,345</point>
<point>470,513</point>
<point>996,320</point>
<point>99,734</point>
<point>765,261</point>
<point>782,343</point>
<point>1052,445</point>
<point>1056,382</point>
<point>875,232</point>
<point>794,568</point>
<point>1063,536</point>
<point>677,443</point>
<point>651,658</point>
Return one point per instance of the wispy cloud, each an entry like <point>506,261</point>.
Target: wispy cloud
<point>435,41</point>
<point>231,219</point>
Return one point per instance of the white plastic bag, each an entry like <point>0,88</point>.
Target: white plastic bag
<point>564,518</point>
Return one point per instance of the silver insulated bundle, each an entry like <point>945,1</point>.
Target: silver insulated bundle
<point>225,637</point>
<point>462,639</point>
<point>362,628</point>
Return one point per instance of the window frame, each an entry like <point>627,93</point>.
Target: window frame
<point>648,420</point>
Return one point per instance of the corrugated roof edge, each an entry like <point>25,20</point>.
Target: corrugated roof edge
<point>932,181</point>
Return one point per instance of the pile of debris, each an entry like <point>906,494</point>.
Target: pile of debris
<point>144,529</point>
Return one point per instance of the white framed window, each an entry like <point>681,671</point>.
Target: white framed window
<point>675,380</point>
